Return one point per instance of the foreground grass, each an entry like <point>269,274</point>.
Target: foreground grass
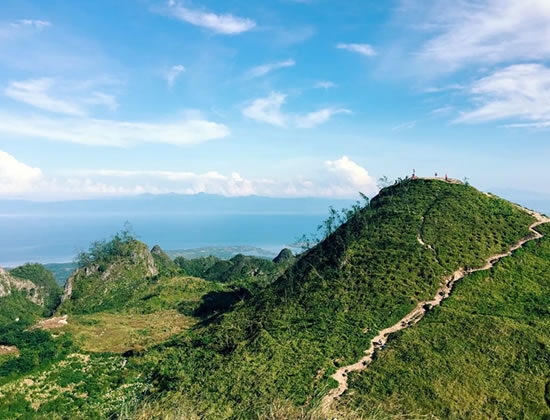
<point>484,354</point>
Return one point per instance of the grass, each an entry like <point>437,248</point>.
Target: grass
<point>118,333</point>
<point>485,354</point>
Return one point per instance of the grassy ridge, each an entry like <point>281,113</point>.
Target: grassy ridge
<point>286,341</point>
<point>484,354</point>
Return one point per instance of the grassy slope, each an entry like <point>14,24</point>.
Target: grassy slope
<point>283,342</point>
<point>485,354</point>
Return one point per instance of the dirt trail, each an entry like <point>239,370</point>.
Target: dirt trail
<point>420,310</point>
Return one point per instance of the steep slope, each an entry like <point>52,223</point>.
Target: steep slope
<point>485,353</point>
<point>322,313</point>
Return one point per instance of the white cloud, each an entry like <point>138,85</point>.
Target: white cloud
<point>268,68</point>
<point>319,117</point>
<point>487,31</point>
<point>111,133</point>
<point>69,98</point>
<point>363,49</point>
<point>172,74</point>
<point>404,126</point>
<point>35,92</point>
<point>103,99</point>
<point>519,91</point>
<point>338,178</point>
<point>16,177</point>
<point>22,27</point>
<point>325,84</point>
<point>351,176</point>
<point>226,24</point>
<point>267,110</point>
<point>38,24</point>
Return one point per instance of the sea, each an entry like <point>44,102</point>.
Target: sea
<point>59,238</point>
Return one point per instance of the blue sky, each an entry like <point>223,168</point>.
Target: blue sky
<point>278,98</point>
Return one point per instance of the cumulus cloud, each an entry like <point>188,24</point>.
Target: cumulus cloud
<point>316,118</point>
<point>350,177</point>
<point>520,92</point>
<point>487,31</point>
<point>100,132</point>
<point>363,49</point>
<point>15,176</point>
<point>268,68</point>
<point>173,73</point>
<point>267,110</point>
<point>226,24</point>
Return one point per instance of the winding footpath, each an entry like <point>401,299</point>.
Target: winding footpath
<point>420,310</point>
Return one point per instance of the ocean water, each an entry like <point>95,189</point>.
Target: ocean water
<point>48,239</point>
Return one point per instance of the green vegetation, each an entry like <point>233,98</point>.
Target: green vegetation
<point>102,253</point>
<point>246,270</point>
<point>37,349</point>
<point>484,354</point>
<point>285,341</point>
<point>17,306</point>
<point>44,280</point>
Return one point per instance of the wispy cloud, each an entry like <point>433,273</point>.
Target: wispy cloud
<point>35,92</point>
<point>487,32</point>
<point>21,27</point>
<point>226,24</point>
<point>69,98</point>
<point>173,73</point>
<point>100,132</point>
<point>405,126</point>
<point>268,68</point>
<point>325,84</point>
<point>316,118</point>
<point>520,92</point>
<point>363,49</point>
<point>267,110</point>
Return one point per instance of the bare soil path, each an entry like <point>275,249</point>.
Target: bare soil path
<point>413,317</point>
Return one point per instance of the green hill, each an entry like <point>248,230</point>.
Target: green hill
<point>286,341</point>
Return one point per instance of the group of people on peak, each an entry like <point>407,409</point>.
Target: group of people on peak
<point>415,177</point>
